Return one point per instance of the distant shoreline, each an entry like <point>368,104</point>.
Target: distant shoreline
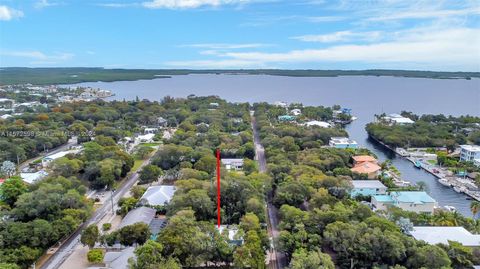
<point>74,75</point>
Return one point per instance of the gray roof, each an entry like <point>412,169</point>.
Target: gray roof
<point>118,259</point>
<point>368,184</point>
<point>435,235</point>
<point>141,214</point>
<point>232,161</point>
<point>158,195</point>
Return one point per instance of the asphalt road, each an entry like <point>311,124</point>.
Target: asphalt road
<point>278,259</point>
<point>66,249</point>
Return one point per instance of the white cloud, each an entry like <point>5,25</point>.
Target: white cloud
<point>117,5</point>
<point>428,14</point>
<point>44,3</point>
<point>216,64</point>
<point>449,49</point>
<point>340,36</point>
<point>223,46</point>
<point>185,4</point>
<point>317,19</point>
<point>7,13</point>
<point>38,55</point>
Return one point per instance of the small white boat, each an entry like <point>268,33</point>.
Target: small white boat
<point>444,182</point>
<point>450,208</point>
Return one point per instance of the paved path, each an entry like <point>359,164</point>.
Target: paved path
<point>66,249</point>
<point>278,259</point>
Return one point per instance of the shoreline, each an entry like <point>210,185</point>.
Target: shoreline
<point>452,180</point>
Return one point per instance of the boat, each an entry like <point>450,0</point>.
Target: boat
<point>418,164</point>
<point>450,208</point>
<point>459,189</point>
<point>444,182</point>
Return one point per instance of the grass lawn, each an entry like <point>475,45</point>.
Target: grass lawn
<point>432,162</point>
<point>136,165</point>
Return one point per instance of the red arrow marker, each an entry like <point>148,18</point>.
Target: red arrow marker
<point>218,188</point>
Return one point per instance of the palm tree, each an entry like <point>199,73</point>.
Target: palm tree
<point>475,208</point>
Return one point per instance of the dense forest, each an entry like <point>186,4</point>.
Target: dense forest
<point>45,76</point>
<point>321,224</point>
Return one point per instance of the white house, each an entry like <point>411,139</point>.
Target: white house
<point>318,123</point>
<point>398,119</point>
<point>296,112</point>
<point>468,153</point>
<point>342,143</point>
<point>416,201</point>
<point>150,131</point>
<point>233,164</point>
<point>158,195</point>
<point>147,138</point>
<point>442,234</point>
<point>281,104</point>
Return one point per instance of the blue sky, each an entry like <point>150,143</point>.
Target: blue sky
<point>204,34</point>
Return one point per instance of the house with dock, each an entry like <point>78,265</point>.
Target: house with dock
<point>342,143</point>
<point>415,201</point>
<point>322,124</point>
<point>365,164</point>
<point>398,119</point>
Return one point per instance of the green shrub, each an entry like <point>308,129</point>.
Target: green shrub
<point>95,256</point>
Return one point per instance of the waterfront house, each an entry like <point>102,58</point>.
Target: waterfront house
<point>158,195</point>
<point>342,143</point>
<point>363,159</point>
<point>367,188</point>
<point>442,235</point>
<point>398,119</point>
<point>318,123</point>
<point>370,169</point>
<point>286,118</point>
<point>415,201</point>
<point>296,112</point>
<point>469,153</point>
<point>233,164</point>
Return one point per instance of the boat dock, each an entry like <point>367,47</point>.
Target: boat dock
<point>447,178</point>
<point>444,176</point>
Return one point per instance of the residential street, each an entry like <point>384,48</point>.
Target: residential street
<point>277,259</point>
<point>68,246</point>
